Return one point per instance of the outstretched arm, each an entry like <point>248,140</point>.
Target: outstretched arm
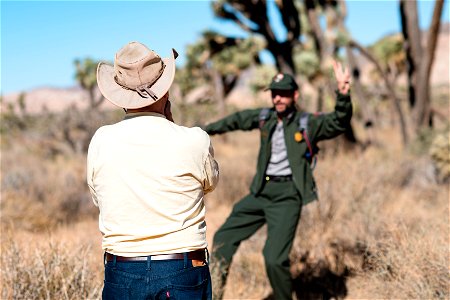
<point>243,120</point>
<point>342,77</point>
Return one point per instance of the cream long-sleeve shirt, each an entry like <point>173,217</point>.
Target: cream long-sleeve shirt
<point>148,176</point>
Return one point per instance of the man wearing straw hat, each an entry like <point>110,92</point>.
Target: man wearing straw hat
<point>148,176</point>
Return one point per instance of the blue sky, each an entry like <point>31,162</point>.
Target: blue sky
<point>41,39</point>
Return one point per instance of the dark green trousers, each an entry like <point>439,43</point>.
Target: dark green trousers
<point>278,205</point>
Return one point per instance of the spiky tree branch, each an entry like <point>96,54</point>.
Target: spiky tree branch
<point>251,16</point>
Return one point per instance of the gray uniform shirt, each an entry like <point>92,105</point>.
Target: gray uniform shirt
<point>278,163</point>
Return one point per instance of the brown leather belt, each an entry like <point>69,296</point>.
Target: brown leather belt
<point>193,255</point>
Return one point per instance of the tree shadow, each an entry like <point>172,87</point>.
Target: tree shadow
<point>319,282</point>
<point>326,278</point>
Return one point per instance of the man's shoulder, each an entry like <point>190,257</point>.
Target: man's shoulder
<point>192,133</point>
<point>193,138</point>
<point>190,130</point>
<point>305,119</point>
<point>308,114</point>
<point>103,130</point>
<point>101,135</point>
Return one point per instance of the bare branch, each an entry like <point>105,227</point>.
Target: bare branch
<point>291,21</point>
<point>432,36</point>
<point>318,35</point>
<point>222,12</point>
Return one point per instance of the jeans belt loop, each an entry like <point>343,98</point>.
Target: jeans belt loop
<point>185,260</point>
<point>149,263</point>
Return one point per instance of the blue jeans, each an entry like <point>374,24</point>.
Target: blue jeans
<point>159,279</point>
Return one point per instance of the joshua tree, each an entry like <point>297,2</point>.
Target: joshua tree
<point>86,76</point>
<point>219,60</point>
<point>252,17</point>
<point>420,58</point>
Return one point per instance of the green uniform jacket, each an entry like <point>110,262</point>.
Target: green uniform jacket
<point>320,127</point>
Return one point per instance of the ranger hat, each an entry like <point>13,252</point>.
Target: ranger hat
<point>283,81</point>
<point>139,77</point>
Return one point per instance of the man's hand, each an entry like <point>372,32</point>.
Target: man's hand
<point>342,77</point>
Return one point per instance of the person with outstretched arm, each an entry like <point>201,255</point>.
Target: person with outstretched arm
<point>284,179</point>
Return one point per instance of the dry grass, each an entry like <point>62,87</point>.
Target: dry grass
<point>380,229</point>
<point>39,193</point>
<point>50,266</point>
<point>383,220</point>
<point>43,169</point>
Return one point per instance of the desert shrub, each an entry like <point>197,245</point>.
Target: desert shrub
<point>413,263</point>
<point>41,191</point>
<point>46,272</point>
<point>14,115</point>
<point>43,181</point>
<point>440,154</point>
<point>384,226</point>
<point>40,194</point>
<point>378,229</point>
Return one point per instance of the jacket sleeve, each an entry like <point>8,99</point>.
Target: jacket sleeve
<point>332,124</point>
<point>243,120</point>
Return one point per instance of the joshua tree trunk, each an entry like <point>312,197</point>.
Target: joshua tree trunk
<point>419,59</point>
<point>389,87</point>
<point>367,114</point>
<point>218,92</point>
<point>255,12</point>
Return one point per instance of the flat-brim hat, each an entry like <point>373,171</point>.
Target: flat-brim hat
<point>139,77</point>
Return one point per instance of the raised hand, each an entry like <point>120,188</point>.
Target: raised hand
<point>342,77</point>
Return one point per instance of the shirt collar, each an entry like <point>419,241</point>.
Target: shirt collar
<point>288,119</point>
<point>140,114</point>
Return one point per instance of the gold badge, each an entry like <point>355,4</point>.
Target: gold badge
<point>278,77</point>
<point>298,136</point>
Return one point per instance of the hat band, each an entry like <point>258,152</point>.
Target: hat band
<point>144,89</point>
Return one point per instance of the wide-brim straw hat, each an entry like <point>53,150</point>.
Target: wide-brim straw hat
<point>139,77</point>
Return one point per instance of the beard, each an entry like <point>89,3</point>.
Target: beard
<point>284,109</point>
